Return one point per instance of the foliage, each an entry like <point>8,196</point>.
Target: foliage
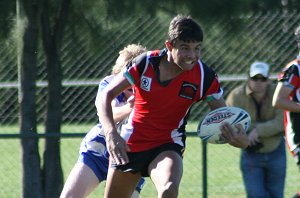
<point>7,16</point>
<point>114,11</point>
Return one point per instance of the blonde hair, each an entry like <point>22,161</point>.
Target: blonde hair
<point>127,54</point>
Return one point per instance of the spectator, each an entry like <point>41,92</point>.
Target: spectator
<point>92,165</point>
<point>263,163</point>
<point>167,83</point>
<point>287,97</point>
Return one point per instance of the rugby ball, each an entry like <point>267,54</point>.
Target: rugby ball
<point>209,128</point>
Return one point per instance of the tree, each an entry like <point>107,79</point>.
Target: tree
<point>49,17</point>
<point>27,23</point>
<point>52,37</point>
<point>32,17</point>
<point>7,13</point>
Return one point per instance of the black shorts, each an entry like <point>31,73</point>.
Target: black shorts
<point>139,161</point>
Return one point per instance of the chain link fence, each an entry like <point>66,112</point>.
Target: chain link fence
<point>90,50</point>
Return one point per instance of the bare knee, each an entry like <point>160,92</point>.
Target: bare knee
<point>169,190</point>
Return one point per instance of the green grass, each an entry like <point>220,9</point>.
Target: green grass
<point>224,177</point>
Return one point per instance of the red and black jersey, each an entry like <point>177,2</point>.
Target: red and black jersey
<point>290,76</point>
<point>161,108</point>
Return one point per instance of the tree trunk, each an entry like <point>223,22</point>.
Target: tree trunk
<point>27,47</point>
<point>53,174</point>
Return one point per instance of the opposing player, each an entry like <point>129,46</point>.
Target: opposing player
<point>92,165</point>
<point>167,83</point>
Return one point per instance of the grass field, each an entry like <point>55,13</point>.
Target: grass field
<point>224,178</point>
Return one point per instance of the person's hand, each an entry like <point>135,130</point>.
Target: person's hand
<point>130,101</point>
<point>234,135</point>
<point>296,154</point>
<point>117,148</point>
<point>253,137</point>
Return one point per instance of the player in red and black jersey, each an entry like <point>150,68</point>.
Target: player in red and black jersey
<point>289,85</point>
<point>154,121</point>
<point>287,97</point>
<point>166,84</point>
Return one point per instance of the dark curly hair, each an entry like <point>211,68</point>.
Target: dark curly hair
<point>184,28</point>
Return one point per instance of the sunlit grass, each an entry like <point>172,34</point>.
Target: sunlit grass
<point>224,177</point>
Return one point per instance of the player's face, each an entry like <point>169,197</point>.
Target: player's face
<point>185,54</point>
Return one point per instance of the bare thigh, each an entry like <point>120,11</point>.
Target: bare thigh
<point>166,170</point>
<point>81,182</point>
<point>120,184</point>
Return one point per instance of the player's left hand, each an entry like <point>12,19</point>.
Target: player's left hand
<point>117,148</point>
<point>234,135</point>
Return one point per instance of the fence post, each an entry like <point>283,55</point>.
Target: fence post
<point>204,165</point>
<point>204,169</point>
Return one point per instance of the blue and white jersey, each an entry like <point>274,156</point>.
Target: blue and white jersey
<point>93,151</point>
<point>94,140</point>
<point>120,100</point>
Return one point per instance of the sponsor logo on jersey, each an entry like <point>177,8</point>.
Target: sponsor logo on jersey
<point>146,83</point>
<point>188,90</point>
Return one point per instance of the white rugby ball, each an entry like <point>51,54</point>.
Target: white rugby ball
<point>209,129</point>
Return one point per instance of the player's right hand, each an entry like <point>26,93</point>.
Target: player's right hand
<point>234,135</point>
<point>130,101</point>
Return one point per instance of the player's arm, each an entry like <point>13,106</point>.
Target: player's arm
<point>281,98</point>
<point>214,104</point>
<point>116,145</point>
<point>121,112</point>
<point>234,135</point>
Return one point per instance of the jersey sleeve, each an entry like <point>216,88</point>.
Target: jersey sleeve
<point>211,89</point>
<point>103,83</point>
<point>135,68</point>
<point>289,76</point>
